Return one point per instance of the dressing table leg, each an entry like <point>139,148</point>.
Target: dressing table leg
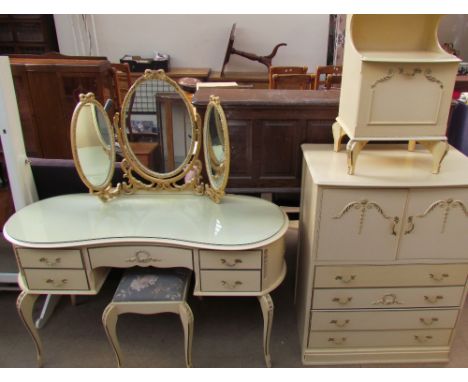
<point>109,319</point>
<point>186,317</point>
<point>266,303</point>
<point>25,305</point>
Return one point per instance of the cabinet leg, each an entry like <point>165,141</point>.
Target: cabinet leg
<point>338,134</point>
<point>266,303</point>
<point>25,305</point>
<point>353,149</point>
<point>438,150</point>
<point>109,320</point>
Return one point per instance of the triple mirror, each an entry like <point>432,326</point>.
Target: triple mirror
<point>159,140</point>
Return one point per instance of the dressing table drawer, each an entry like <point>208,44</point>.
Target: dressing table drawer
<point>128,256</point>
<point>390,275</point>
<point>230,281</point>
<point>230,259</point>
<point>49,258</point>
<point>59,279</point>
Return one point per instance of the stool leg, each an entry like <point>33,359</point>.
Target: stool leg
<point>109,320</point>
<point>186,317</point>
<point>266,303</point>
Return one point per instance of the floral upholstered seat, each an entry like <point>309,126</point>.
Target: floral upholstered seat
<point>153,284</point>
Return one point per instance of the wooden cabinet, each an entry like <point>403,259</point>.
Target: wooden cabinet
<point>27,34</point>
<point>382,265</point>
<point>47,91</point>
<point>266,129</point>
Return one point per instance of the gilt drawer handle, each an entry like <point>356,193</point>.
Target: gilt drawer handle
<point>50,263</point>
<point>428,321</point>
<point>342,300</point>
<point>231,264</point>
<point>438,276</point>
<point>388,299</point>
<point>433,299</point>
<point>423,339</point>
<point>345,279</point>
<point>57,284</point>
<point>337,341</point>
<point>142,257</point>
<point>340,323</point>
<point>230,285</point>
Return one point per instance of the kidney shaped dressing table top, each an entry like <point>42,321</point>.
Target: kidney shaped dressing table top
<point>67,245</point>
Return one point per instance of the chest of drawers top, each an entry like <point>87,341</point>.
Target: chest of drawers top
<point>384,165</point>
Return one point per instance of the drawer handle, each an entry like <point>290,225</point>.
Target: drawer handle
<point>422,339</point>
<point>340,323</point>
<point>428,321</point>
<point>433,299</point>
<point>231,264</point>
<point>342,300</point>
<point>346,279</point>
<point>57,284</point>
<point>50,263</point>
<point>438,276</point>
<point>337,341</point>
<point>388,299</point>
<point>142,257</point>
<point>229,285</point>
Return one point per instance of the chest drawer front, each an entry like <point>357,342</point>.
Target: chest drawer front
<point>143,256</point>
<point>53,258</point>
<point>389,276</point>
<point>230,259</point>
<point>55,279</point>
<point>386,298</point>
<point>230,281</point>
<point>383,320</point>
<point>397,338</point>
<point>359,224</point>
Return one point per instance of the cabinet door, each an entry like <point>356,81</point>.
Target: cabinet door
<point>436,224</point>
<point>359,224</point>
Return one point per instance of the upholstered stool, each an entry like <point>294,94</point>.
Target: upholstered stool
<point>151,291</point>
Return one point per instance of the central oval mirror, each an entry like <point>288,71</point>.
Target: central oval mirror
<point>158,126</point>
<point>92,141</point>
<point>216,148</point>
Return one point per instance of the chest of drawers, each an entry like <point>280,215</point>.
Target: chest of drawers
<point>382,260</point>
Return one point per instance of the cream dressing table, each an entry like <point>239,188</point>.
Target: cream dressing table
<point>67,244</point>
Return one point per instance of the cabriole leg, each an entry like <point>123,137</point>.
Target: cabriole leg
<point>266,303</point>
<point>353,149</point>
<point>109,320</point>
<point>338,134</point>
<point>186,317</point>
<point>438,150</point>
<point>25,305</point>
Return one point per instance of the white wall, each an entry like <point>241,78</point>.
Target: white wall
<point>200,40</point>
<point>454,29</point>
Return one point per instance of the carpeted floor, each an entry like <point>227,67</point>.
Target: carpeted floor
<point>228,332</point>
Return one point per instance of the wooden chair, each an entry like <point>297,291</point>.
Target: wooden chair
<point>293,81</point>
<point>284,70</point>
<point>333,81</point>
<point>122,80</point>
<point>322,74</point>
<point>151,291</point>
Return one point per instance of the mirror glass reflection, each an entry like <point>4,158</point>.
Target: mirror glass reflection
<point>94,144</point>
<point>158,126</point>
<point>215,148</point>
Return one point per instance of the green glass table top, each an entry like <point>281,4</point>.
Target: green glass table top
<point>78,218</point>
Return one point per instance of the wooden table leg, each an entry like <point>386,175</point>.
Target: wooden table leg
<point>25,305</point>
<point>266,303</point>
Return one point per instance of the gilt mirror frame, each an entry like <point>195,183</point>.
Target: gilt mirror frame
<point>212,190</point>
<point>105,191</point>
<point>139,177</point>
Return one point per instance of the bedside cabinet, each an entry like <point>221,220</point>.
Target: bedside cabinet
<point>382,259</point>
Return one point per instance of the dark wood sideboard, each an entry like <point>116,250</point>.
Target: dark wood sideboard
<point>47,91</point>
<point>266,130</point>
